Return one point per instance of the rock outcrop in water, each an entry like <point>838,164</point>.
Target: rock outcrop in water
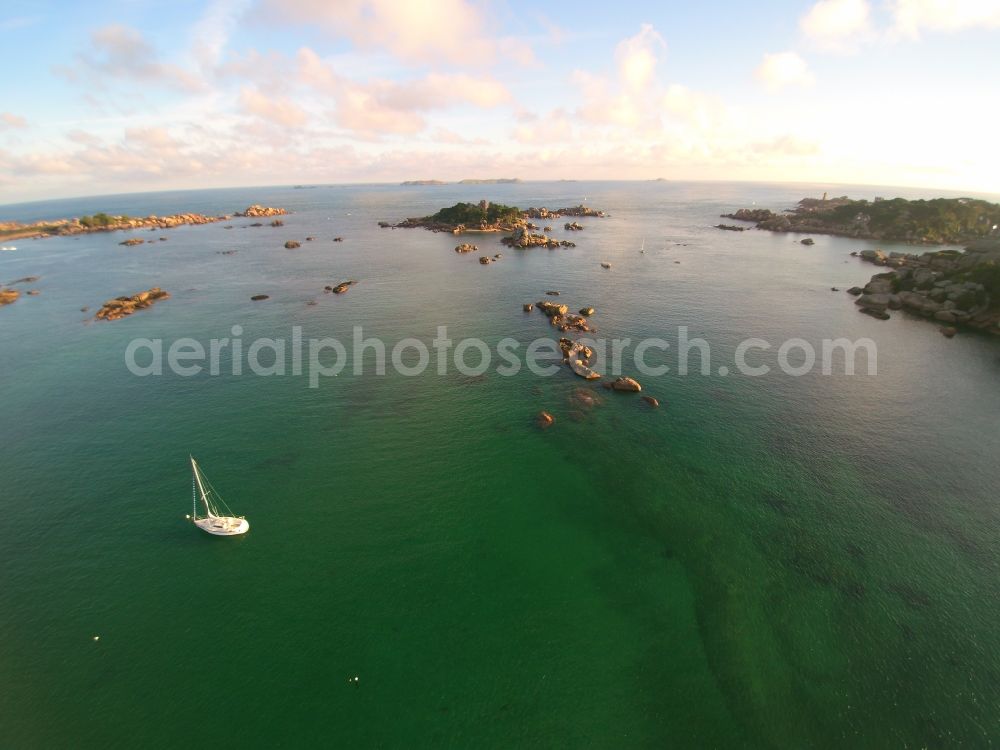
<point>946,286</point>
<point>342,287</point>
<point>257,211</point>
<point>523,237</point>
<point>7,296</point>
<point>558,213</point>
<point>120,307</point>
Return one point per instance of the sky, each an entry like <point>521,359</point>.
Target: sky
<point>137,95</point>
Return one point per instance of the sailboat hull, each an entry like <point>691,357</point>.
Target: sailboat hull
<point>223,525</point>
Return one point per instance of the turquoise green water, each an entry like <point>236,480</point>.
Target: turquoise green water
<point>762,562</point>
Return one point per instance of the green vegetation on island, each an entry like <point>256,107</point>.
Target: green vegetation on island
<point>473,215</point>
<point>936,221</point>
<point>492,217</point>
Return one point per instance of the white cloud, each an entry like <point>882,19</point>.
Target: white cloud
<point>212,31</point>
<point>781,69</point>
<point>636,58</point>
<point>121,52</point>
<point>911,17</point>
<point>380,106</point>
<point>10,120</point>
<point>838,25</point>
<point>276,109</point>
<point>455,31</point>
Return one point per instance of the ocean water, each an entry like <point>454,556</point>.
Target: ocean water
<point>766,561</point>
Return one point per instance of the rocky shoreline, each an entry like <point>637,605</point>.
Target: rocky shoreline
<point>106,223</point>
<point>940,221</point>
<point>949,287</point>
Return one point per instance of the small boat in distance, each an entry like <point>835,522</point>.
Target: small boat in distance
<point>218,519</point>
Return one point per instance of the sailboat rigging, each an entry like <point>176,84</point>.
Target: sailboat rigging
<point>218,518</point>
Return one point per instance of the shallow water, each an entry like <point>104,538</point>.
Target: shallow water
<point>776,561</point>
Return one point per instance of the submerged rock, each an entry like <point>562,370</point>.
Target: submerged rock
<point>292,244</point>
<point>259,297</point>
<point>588,311</point>
<point>485,260</point>
<point>651,401</point>
<point>544,419</point>
<point>528,307</point>
<point>132,242</point>
<point>808,241</point>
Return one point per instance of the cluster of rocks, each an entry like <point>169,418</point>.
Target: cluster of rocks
<point>572,226</point>
<point>558,213</point>
<point>340,288</point>
<point>466,247</point>
<point>132,242</point>
<point>560,316</point>
<point>485,260</point>
<point>755,215</point>
<point>939,285</point>
<point>257,211</point>
<point>730,228</point>
<point>523,237</point>
<point>8,295</point>
<point>120,307</point>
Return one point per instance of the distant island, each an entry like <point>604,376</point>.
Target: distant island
<point>493,181</point>
<point>941,221</point>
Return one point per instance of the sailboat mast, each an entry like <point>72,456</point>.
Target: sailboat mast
<point>201,487</point>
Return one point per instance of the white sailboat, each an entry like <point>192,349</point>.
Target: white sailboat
<point>218,519</point>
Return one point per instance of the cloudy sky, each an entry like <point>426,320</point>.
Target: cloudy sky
<point>149,95</point>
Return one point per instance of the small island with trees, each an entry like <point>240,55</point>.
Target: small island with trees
<point>490,217</point>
